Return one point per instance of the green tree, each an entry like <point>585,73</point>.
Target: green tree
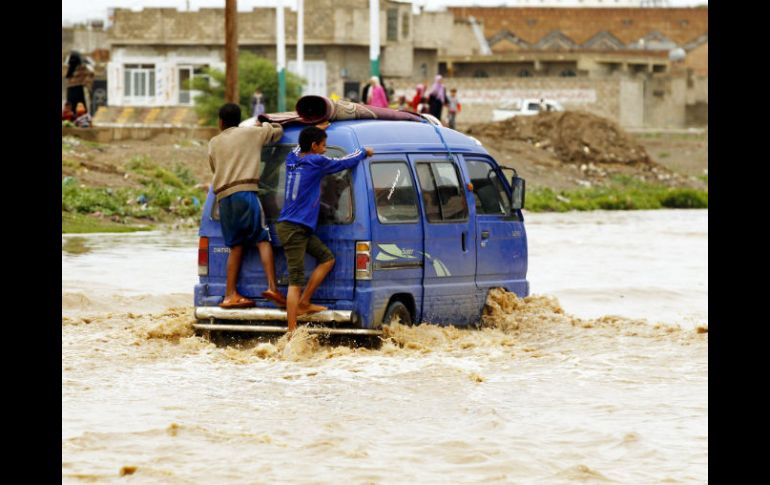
<point>253,73</point>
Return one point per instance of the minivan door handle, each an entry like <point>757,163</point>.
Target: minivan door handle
<point>463,241</point>
<point>484,234</point>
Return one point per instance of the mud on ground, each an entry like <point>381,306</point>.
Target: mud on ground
<point>573,149</point>
<point>565,150</point>
<point>105,164</point>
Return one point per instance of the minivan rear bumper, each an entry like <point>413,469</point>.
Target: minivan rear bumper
<point>214,318</point>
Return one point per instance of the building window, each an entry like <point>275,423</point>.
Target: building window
<point>392,24</point>
<point>525,73</point>
<point>405,25</point>
<point>480,73</point>
<point>568,73</point>
<point>139,83</point>
<point>186,74</point>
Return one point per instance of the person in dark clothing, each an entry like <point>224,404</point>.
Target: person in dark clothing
<point>437,97</point>
<point>80,79</point>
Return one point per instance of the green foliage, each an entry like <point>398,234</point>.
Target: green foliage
<point>184,174</point>
<point>629,194</point>
<point>686,199</point>
<point>66,162</point>
<point>165,193</point>
<point>253,73</point>
<point>79,223</point>
<point>140,164</point>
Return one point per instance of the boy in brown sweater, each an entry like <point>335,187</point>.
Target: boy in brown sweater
<point>234,157</point>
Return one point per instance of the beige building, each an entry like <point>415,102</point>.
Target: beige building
<point>612,61</point>
<point>156,49</point>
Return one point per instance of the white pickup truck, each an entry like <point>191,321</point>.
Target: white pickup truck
<point>525,107</point>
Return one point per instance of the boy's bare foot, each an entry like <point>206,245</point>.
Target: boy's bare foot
<point>310,308</point>
<point>275,297</point>
<point>237,301</point>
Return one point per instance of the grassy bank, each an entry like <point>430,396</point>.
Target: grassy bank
<point>621,194</point>
<point>73,223</point>
<point>164,196</point>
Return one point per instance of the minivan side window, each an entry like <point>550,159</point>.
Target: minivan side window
<point>488,190</point>
<point>394,192</point>
<point>442,194</point>
<point>336,192</point>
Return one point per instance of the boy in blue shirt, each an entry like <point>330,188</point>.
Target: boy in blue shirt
<point>305,167</point>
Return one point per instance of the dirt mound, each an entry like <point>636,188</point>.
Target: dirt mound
<point>573,136</point>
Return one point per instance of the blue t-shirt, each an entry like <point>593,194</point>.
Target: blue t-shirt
<point>302,197</point>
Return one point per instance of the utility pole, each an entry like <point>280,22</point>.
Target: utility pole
<point>281,56</point>
<point>231,51</point>
<point>374,36</point>
<point>301,38</point>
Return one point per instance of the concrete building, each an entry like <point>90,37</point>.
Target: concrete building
<point>612,61</point>
<point>156,49</point>
<point>616,62</point>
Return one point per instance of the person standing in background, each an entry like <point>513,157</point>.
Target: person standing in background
<point>437,97</point>
<point>376,95</point>
<point>257,105</point>
<point>453,107</point>
<point>80,79</point>
<point>417,99</point>
<point>67,114</point>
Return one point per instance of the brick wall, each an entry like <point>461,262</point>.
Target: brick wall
<point>681,25</point>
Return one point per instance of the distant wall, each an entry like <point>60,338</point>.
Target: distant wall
<point>640,102</point>
<point>480,96</point>
<point>108,134</point>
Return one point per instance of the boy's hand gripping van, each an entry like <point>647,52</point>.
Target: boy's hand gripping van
<point>421,232</point>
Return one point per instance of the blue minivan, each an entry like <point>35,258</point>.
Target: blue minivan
<point>421,232</point>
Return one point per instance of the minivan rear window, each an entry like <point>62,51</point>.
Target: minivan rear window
<point>394,192</point>
<point>336,191</point>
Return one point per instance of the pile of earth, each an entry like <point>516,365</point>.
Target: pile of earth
<point>572,136</point>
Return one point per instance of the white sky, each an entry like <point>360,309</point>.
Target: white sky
<point>82,10</point>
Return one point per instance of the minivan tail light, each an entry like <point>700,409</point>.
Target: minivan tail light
<point>203,257</point>
<point>363,260</point>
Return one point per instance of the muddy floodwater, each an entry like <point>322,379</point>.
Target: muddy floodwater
<point>600,377</point>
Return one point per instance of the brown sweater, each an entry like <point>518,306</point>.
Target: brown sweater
<point>235,154</point>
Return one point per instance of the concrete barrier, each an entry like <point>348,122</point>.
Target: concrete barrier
<point>106,134</point>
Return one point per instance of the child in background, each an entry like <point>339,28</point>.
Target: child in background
<point>454,107</point>
<point>67,114</point>
<point>83,119</point>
